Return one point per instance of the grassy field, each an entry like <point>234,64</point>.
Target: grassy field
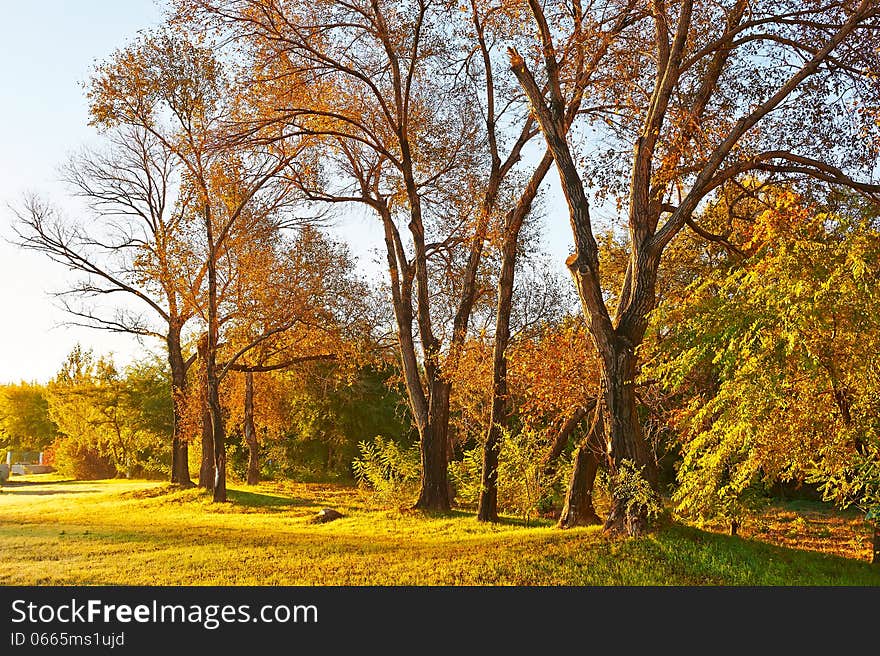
<point>146,533</point>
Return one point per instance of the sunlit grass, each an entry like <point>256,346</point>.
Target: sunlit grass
<point>147,533</point>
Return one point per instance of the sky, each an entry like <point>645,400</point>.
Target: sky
<point>47,51</point>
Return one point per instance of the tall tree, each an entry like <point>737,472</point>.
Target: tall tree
<point>132,243</point>
<point>403,138</point>
<point>176,90</point>
<point>592,32</point>
<point>705,93</point>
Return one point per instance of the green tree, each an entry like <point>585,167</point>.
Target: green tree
<point>118,421</point>
<point>24,417</point>
<point>777,352</point>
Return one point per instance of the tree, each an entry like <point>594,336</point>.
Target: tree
<point>130,244</point>
<point>584,56</point>
<point>434,151</point>
<point>787,336</point>
<point>556,382</point>
<point>177,91</point>
<point>700,94</point>
<point>309,282</point>
<point>24,417</point>
<point>102,414</point>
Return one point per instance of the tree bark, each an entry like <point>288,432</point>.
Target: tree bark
<point>560,439</point>
<point>206,472</point>
<point>875,545</point>
<point>434,488</point>
<point>179,444</point>
<point>627,441</point>
<point>578,509</point>
<point>250,432</point>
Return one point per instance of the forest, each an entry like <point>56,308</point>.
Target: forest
<point>708,349</point>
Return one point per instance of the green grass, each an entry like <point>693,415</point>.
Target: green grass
<point>147,533</point>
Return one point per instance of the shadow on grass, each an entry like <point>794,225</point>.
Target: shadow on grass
<point>15,483</point>
<point>26,487</point>
<point>532,522</point>
<point>470,513</point>
<point>706,550</point>
<point>262,500</point>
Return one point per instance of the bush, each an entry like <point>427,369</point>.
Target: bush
<point>523,488</point>
<point>630,487</point>
<point>82,462</point>
<point>391,470</point>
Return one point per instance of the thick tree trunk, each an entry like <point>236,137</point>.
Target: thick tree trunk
<point>434,492</point>
<point>625,435</point>
<point>578,509</point>
<point>250,432</point>
<point>179,443</point>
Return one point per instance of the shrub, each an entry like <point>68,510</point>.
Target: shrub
<point>523,488</point>
<point>76,459</point>
<point>391,470</point>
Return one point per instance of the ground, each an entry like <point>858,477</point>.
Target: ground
<point>147,533</point>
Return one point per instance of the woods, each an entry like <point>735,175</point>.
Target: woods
<point>712,335</point>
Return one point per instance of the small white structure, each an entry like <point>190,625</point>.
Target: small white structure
<point>26,463</point>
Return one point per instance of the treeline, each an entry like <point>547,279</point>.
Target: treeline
<point>94,421</point>
<point>237,129</point>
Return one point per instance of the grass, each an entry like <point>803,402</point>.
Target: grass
<point>113,532</point>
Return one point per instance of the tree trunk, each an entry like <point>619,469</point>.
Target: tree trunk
<point>578,509</point>
<point>212,377</point>
<point>179,444</point>
<point>488,507</point>
<point>219,446</point>
<point>206,469</point>
<point>250,432</point>
<point>206,472</point>
<point>434,492</point>
<point>734,527</point>
<point>875,545</point>
<point>560,439</point>
<point>625,435</point>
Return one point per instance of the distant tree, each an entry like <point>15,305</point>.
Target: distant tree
<point>24,418</point>
<point>130,243</point>
<point>104,415</point>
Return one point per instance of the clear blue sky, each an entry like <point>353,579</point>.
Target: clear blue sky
<point>47,50</point>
